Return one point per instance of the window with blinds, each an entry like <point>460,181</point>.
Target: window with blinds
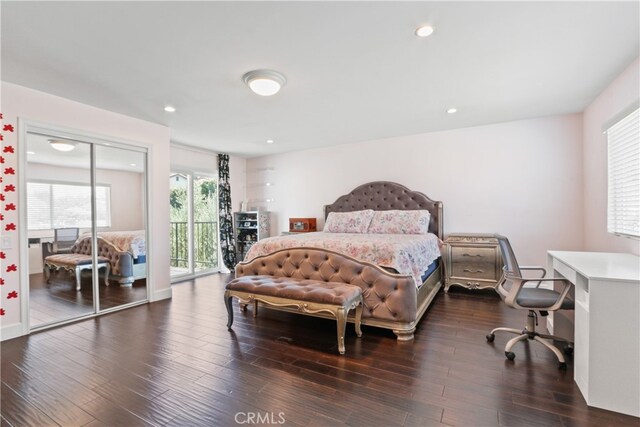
<point>55,205</point>
<point>623,161</point>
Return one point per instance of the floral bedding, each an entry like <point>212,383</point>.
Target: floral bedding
<point>409,254</point>
<point>130,241</point>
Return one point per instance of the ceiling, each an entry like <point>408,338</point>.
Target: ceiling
<point>355,70</point>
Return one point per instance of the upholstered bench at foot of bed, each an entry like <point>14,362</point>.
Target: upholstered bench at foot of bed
<point>75,263</point>
<point>307,296</point>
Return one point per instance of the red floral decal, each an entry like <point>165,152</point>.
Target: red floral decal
<point>10,227</point>
<point>3,255</point>
<point>12,294</point>
<point>1,217</point>
<point>1,178</point>
<point>1,281</point>
<point>10,207</point>
<point>11,268</point>
<point>10,187</point>
<point>1,197</point>
<point>8,149</point>
<point>8,128</point>
<point>9,171</point>
<point>0,115</point>
<point>1,137</point>
<point>1,311</point>
<point>1,159</point>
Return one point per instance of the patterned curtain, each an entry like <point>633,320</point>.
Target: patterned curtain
<point>227,243</point>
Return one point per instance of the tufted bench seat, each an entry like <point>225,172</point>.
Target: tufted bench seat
<point>306,296</point>
<point>75,263</point>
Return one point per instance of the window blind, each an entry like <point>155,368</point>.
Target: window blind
<point>53,205</point>
<point>623,161</point>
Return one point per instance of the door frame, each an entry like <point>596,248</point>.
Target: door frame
<point>192,274</point>
<point>26,126</point>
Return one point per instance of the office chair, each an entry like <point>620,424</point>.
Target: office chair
<point>63,241</point>
<point>512,291</point>
<point>64,238</point>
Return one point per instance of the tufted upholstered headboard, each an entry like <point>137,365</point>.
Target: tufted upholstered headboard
<point>384,196</point>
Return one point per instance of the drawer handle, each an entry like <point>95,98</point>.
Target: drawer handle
<point>466,270</point>
<point>476,255</point>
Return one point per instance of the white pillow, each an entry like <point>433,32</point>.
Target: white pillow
<point>348,222</point>
<point>400,222</point>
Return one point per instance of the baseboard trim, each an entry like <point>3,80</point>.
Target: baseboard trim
<point>161,294</point>
<point>11,331</point>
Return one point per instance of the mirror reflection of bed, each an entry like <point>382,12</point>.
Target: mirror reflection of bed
<point>59,229</point>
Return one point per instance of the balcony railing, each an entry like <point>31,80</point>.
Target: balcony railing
<point>205,245</point>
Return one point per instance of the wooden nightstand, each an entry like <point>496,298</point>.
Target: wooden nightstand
<point>472,261</point>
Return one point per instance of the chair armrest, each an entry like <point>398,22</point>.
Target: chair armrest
<point>535,268</point>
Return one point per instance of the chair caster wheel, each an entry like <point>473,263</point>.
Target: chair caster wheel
<point>562,366</point>
<point>510,355</point>
<point>490,337</point>
<point>568,349</point>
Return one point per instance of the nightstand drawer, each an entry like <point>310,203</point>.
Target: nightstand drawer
<point>467,254</point>
<point>474,270</point>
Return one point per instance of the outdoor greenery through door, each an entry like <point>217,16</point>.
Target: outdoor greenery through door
<point>194,223</point>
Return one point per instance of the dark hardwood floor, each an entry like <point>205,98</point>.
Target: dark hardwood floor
<point>174,363</point>
<point>59,300</point>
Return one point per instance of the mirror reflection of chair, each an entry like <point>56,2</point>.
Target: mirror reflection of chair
<point>63,240</point>
<point>515,295</point>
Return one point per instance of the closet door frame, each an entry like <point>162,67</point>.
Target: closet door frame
<point>25,127</point>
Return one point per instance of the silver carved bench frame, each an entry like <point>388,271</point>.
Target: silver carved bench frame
<point>340,312</point>
<point>76,269</point>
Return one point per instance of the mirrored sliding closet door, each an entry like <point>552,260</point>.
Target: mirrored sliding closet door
<point>86,227</point>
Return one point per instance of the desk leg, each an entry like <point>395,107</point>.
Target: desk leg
<point>107,270</point>
<point>78,276</point>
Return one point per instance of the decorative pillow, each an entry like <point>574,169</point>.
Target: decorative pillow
<point>400,222</point>
<point>348,222</point>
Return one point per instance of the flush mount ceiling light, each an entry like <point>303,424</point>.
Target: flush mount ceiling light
<point>170,109</point>
<point>264,82</point>
<point>269,141</point>
<point>424,31</point>
<point>62,145</point>
<point>452,110</point>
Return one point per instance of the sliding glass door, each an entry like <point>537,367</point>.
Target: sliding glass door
<point>194,224</point>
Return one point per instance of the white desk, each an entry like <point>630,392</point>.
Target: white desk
<point>607,326</point>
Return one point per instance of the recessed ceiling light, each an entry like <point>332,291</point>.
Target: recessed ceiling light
<point>452,110</point>
<point>268,184</point>
<point>170,109</point>
<point>132,164</point>
<point>31,152</point>
<point>270,141</point>
<point>424,31</point>
<point>62,145</point>
<point>264,82</point>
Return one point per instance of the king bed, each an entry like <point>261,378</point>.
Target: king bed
<point>407,254</point>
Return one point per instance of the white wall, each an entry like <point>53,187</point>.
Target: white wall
<point>126,192</point>
<point>621,93</point>
<point>32,105</point>
<point>522,179</point>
